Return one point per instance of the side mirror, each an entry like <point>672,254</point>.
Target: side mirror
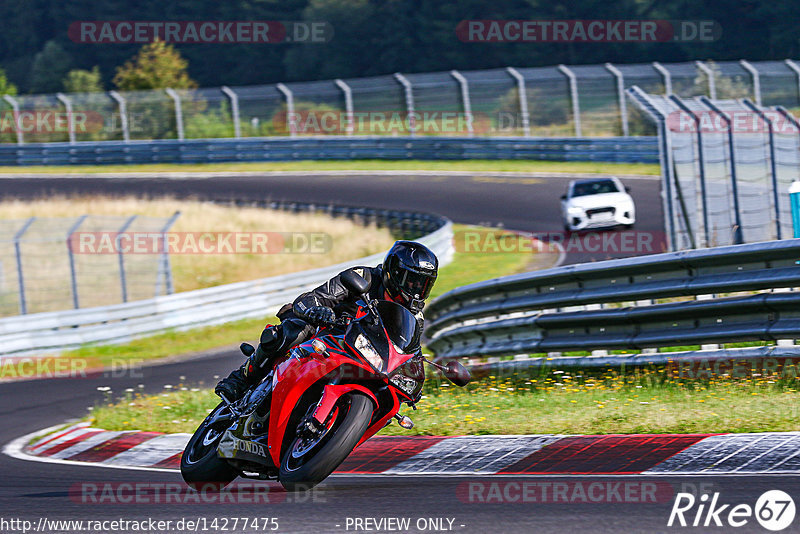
<point>354,283</point>
<point>457,374</point>
<point>247,349</point>
<point>564,197</point>
<point>627,189</point>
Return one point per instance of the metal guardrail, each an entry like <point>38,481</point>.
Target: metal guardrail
<point>53,332</point>
<point>614,304</point>
<point>607,149</point>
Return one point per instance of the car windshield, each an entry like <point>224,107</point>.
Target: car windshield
<point>596,187</point>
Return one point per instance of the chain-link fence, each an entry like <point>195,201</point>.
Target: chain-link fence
<point>585,100</point>
<point>727,165</point>
<point>49,264</point>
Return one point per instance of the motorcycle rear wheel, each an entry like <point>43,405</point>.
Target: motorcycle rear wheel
<point>201,468</point>
<point>306,462</point>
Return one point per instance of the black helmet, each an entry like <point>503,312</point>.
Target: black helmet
<point>409,271</point>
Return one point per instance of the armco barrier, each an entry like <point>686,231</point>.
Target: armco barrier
<point>614,304</point>
<point>54,332</point>
<point>607,149</point>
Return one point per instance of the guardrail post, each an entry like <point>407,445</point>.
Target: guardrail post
<point>71,255</point>
<point>290,117</point>
<point>234,98</point>
<point>665,74</point>
<point>123,114</point>
<point>121,257</point>
<point>588,307</point>
<point>712,83</point>
<point>523,100</point>
<point>465,101</point>
<point>348,105</point>
<point>23,305</point>
<point>164,267</point>
<point>708,346</point>
<point>70,117</point>
<point>409,93</point>
<point>17,125</point>
<point>796,69</point>
<point>573,91</point>
<point>664,157</point>
<point>178,111</point>
<point>746,65</point>
<point>731,152</point>
<point>772,165</point>
<point>623,105</point>
<point>702,165</point>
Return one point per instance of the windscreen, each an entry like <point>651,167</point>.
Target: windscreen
<point>400,324</point>
<point>596,187</point>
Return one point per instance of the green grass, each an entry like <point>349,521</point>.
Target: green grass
<point>470,267</point>
<point>466,268</point>
<point>351,165</point>
<point>556,403</point>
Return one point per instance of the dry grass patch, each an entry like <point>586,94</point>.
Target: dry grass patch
<point>193,271</point>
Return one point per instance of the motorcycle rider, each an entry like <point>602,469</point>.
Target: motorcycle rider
<point>406,276</point>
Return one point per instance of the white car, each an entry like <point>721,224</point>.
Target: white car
<point>597,203</point>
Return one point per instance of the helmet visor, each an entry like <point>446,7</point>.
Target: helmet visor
<point>416,285</point>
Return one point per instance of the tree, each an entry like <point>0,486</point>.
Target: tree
<point>83,81</point>
<point>6,87</point>
<point>157,66</point>
<point>49,67</point>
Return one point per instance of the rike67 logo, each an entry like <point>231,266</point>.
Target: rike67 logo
<point>774,510</point>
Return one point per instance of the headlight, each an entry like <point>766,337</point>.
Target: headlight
<point>574,210</point>
<point>368,351</point>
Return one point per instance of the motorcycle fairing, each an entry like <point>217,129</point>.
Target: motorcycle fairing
<point>292,378</point>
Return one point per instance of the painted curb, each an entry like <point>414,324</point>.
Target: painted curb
<point>635,454</point>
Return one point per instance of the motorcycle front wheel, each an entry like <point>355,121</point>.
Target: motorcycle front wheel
<point>201,468</point>
<point>309,460</point>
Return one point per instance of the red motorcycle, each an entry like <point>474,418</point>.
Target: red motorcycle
<point>327,397</point>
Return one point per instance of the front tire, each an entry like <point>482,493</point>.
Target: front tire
<point>201,468</point>
<point>307,463</point>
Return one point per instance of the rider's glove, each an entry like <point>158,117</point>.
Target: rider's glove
<point>319,315</point>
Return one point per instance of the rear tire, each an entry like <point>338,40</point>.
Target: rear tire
<point>201,468</point>
<point>300,472</point>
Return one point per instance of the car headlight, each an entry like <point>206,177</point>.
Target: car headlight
<point>575,210</point>
<point>368,351</point>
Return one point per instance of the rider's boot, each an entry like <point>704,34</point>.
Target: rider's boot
<point>255,368</point>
